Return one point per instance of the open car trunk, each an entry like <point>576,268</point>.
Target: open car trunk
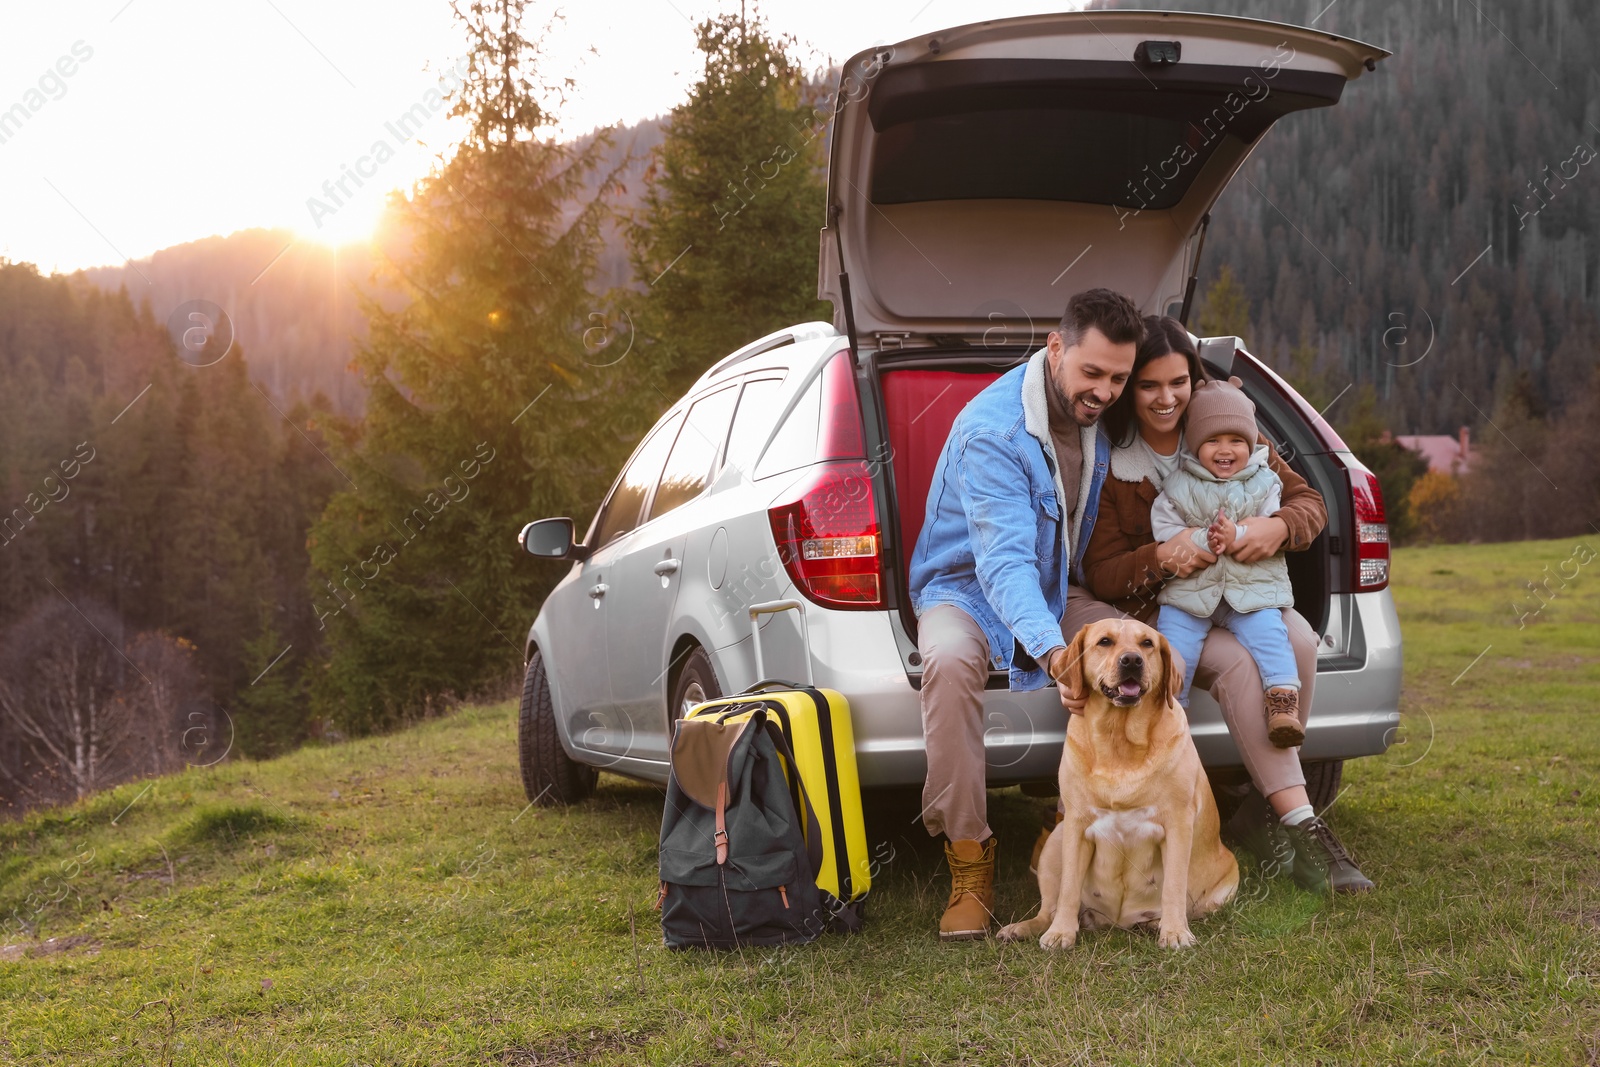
<point>981,175</point>
<point>923,391</point>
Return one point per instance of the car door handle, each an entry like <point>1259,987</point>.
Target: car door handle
<point>598,591</point>
<point>666,567</point>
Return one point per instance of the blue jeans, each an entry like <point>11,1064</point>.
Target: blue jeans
<point>1262,633</point>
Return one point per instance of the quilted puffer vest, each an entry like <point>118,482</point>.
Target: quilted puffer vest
<point>1197,493</point>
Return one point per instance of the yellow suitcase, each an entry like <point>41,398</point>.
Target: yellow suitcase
<point>816,723</point>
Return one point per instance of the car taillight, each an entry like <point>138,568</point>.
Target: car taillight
<point>828,535</point>
<point>829,539</point>
<point>1371,533</point>
<point>840,435</point>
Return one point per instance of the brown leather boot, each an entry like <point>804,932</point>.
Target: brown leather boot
<point>1283,717</point>
<point>969,911</point>
<point>1050,823</point>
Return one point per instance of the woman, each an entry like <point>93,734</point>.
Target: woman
<point>1125,566</point>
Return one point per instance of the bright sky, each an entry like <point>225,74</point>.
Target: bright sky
<point>127,126</point>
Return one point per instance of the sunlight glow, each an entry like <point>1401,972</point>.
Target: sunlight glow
<point>103,165</point>
<point>355,220</point>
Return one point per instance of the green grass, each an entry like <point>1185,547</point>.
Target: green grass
<point>394,901</point>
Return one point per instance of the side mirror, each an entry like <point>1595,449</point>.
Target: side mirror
<point>551,539</point>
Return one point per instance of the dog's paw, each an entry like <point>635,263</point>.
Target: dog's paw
<point>1013,932</point>
<point>1058,939</point>
<point>1181,937</point>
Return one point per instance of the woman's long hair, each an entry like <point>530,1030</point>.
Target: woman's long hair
<point>1163,335</point>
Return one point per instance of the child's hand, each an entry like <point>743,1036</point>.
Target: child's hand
<point>1221,533</point>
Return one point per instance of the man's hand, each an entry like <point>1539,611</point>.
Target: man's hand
<point>1054,664</point>
<point>1263,537</point>
<point>1051,660</point>
<point>1179,558</point>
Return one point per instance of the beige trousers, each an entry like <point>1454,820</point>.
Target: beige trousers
<point>955,665</point>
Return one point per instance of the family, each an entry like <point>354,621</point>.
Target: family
<point>1108,478</point>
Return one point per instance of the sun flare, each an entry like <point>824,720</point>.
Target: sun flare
<point>353,222</point>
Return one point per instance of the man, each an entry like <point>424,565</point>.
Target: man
<point>994,571</point>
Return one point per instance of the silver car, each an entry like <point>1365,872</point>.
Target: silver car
<point>978,176</point>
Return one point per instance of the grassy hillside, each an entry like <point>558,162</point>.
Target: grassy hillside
<point>393,901</point>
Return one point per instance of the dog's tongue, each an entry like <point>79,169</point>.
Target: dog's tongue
<point>1129,689</point>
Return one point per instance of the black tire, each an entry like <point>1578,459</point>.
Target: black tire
<point>696,683</point>
<point>549,776</point>
<point>1230,786</point>
<point>1322,783</point>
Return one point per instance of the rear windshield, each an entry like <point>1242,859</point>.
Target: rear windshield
<point>1088,131</point>
<point>1091,157</point>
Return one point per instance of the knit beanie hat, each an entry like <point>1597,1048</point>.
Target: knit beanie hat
<point>1216,408</point>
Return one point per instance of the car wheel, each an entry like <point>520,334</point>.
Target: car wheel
<point>549,775</point>
<point>1322,783</point>
<point>1229,786</point>
<point>696,684</point>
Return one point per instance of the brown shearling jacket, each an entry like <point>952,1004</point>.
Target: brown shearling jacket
<point>1119,564</point>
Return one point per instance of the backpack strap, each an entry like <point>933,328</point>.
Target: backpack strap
<point>803,809</point>
<point>721,836</point>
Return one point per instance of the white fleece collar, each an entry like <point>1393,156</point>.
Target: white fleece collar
<point>1134,463</point>
<point>1035,408</point>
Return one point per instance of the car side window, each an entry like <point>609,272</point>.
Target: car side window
<point>627,496</point>
<point>795,444</point>
<point>751,422</point>
<point>688,466</point>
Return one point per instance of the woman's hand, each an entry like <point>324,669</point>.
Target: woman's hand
<point>1263,537</point>
<point>1179,558</point>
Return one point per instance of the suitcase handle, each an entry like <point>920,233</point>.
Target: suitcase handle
<point>771,607</point>
<point>769,683</point>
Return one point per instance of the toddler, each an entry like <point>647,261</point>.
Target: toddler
<point>1222,482</point>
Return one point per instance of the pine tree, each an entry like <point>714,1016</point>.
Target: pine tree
<point>1309,381</point>
<point>726,242</point>
<point>1226,310</point>
<point>269,714</point>
<point>485,409</point>
<point>174,496</point>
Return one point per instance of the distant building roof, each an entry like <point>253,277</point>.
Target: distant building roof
<point>1445,454</point>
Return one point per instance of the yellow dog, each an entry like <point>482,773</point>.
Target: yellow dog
<point>1139,839</point>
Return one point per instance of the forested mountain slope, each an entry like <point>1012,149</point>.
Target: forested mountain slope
<point>1451,198</point>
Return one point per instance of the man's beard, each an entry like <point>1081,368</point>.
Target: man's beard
<point>1069,404</point>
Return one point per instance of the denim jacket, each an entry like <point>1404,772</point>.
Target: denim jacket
<point>996,539</point>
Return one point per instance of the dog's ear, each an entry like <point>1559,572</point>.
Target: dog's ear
<point>1169,681</point>
<point>1070,671</point>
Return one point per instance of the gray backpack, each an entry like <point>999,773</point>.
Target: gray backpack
<point>735,868</point>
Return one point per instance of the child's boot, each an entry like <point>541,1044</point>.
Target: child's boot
<point>1283,717</point>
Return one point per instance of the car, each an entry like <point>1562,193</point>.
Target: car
<point>977,176</point>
